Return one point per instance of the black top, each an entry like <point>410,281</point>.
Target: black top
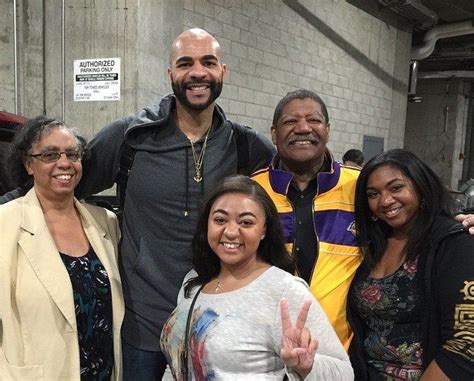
<point>305,245</point>
<point>93,305</point>
<point>305,241</point>
<point>446,296</point>
<point>390,309</point>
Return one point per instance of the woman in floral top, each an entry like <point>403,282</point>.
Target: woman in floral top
<point>411,304</point>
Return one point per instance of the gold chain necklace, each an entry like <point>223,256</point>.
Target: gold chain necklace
<point>248,274</point>
<point>198,160</point>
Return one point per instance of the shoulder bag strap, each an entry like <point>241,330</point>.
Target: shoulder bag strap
<point>184,354</point>
<point>126,162</point>
<point>242,145</point>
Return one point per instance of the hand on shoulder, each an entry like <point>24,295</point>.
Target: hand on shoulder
<point>467,220</point>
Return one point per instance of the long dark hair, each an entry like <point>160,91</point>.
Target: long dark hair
<point>434,198</point>
<point>272,248</point>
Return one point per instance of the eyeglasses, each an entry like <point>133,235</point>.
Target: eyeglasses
<point>52,156</point>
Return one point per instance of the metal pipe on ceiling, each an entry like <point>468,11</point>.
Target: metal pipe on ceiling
<point>436,33</point>
<point>446,74</point>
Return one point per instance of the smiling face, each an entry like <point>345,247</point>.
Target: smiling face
<point>301,135</point>
<point>196,71</point>
<point>392,198</point>
<point>236,225</point>
<point>57,179</point>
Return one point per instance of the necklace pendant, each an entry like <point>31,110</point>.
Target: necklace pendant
<point>197,178</point>
<point>218,286</point>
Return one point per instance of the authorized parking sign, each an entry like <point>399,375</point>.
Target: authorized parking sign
<point>97,79</point>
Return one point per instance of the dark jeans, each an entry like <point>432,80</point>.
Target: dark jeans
<point>140,365</point>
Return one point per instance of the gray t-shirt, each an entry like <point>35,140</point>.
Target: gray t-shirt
<point>236,335</point>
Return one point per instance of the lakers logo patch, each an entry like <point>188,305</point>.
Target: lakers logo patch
<point>352,228</point>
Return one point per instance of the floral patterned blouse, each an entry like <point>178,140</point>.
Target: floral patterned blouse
<point>93,304</point>
<point>390,308</point>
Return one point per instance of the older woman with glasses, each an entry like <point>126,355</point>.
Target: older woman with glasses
<point>61,304</point>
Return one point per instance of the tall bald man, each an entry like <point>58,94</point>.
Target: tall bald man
<point>179,147</point>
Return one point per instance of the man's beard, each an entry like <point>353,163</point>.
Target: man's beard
<point>179,90</point>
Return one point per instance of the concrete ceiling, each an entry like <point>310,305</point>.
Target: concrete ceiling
<point>455,53</point>
<point>450,54</point>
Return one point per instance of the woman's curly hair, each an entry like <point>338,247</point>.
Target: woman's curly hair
<point>29,134</point>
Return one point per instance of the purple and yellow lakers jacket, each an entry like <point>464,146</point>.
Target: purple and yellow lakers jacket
<point>333,220</point>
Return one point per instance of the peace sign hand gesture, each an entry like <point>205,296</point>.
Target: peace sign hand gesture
<point>297,346</point>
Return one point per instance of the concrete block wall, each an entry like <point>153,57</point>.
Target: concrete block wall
<point>358,64</point>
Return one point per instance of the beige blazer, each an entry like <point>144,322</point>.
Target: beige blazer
<point>38,333</point>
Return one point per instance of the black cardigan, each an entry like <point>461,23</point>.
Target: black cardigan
<point>447,320</point>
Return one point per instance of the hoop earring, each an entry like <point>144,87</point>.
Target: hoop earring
<point>373,218</point>
<point>422,204</point>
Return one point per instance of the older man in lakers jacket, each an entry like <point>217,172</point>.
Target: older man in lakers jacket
<point>314,196</point>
